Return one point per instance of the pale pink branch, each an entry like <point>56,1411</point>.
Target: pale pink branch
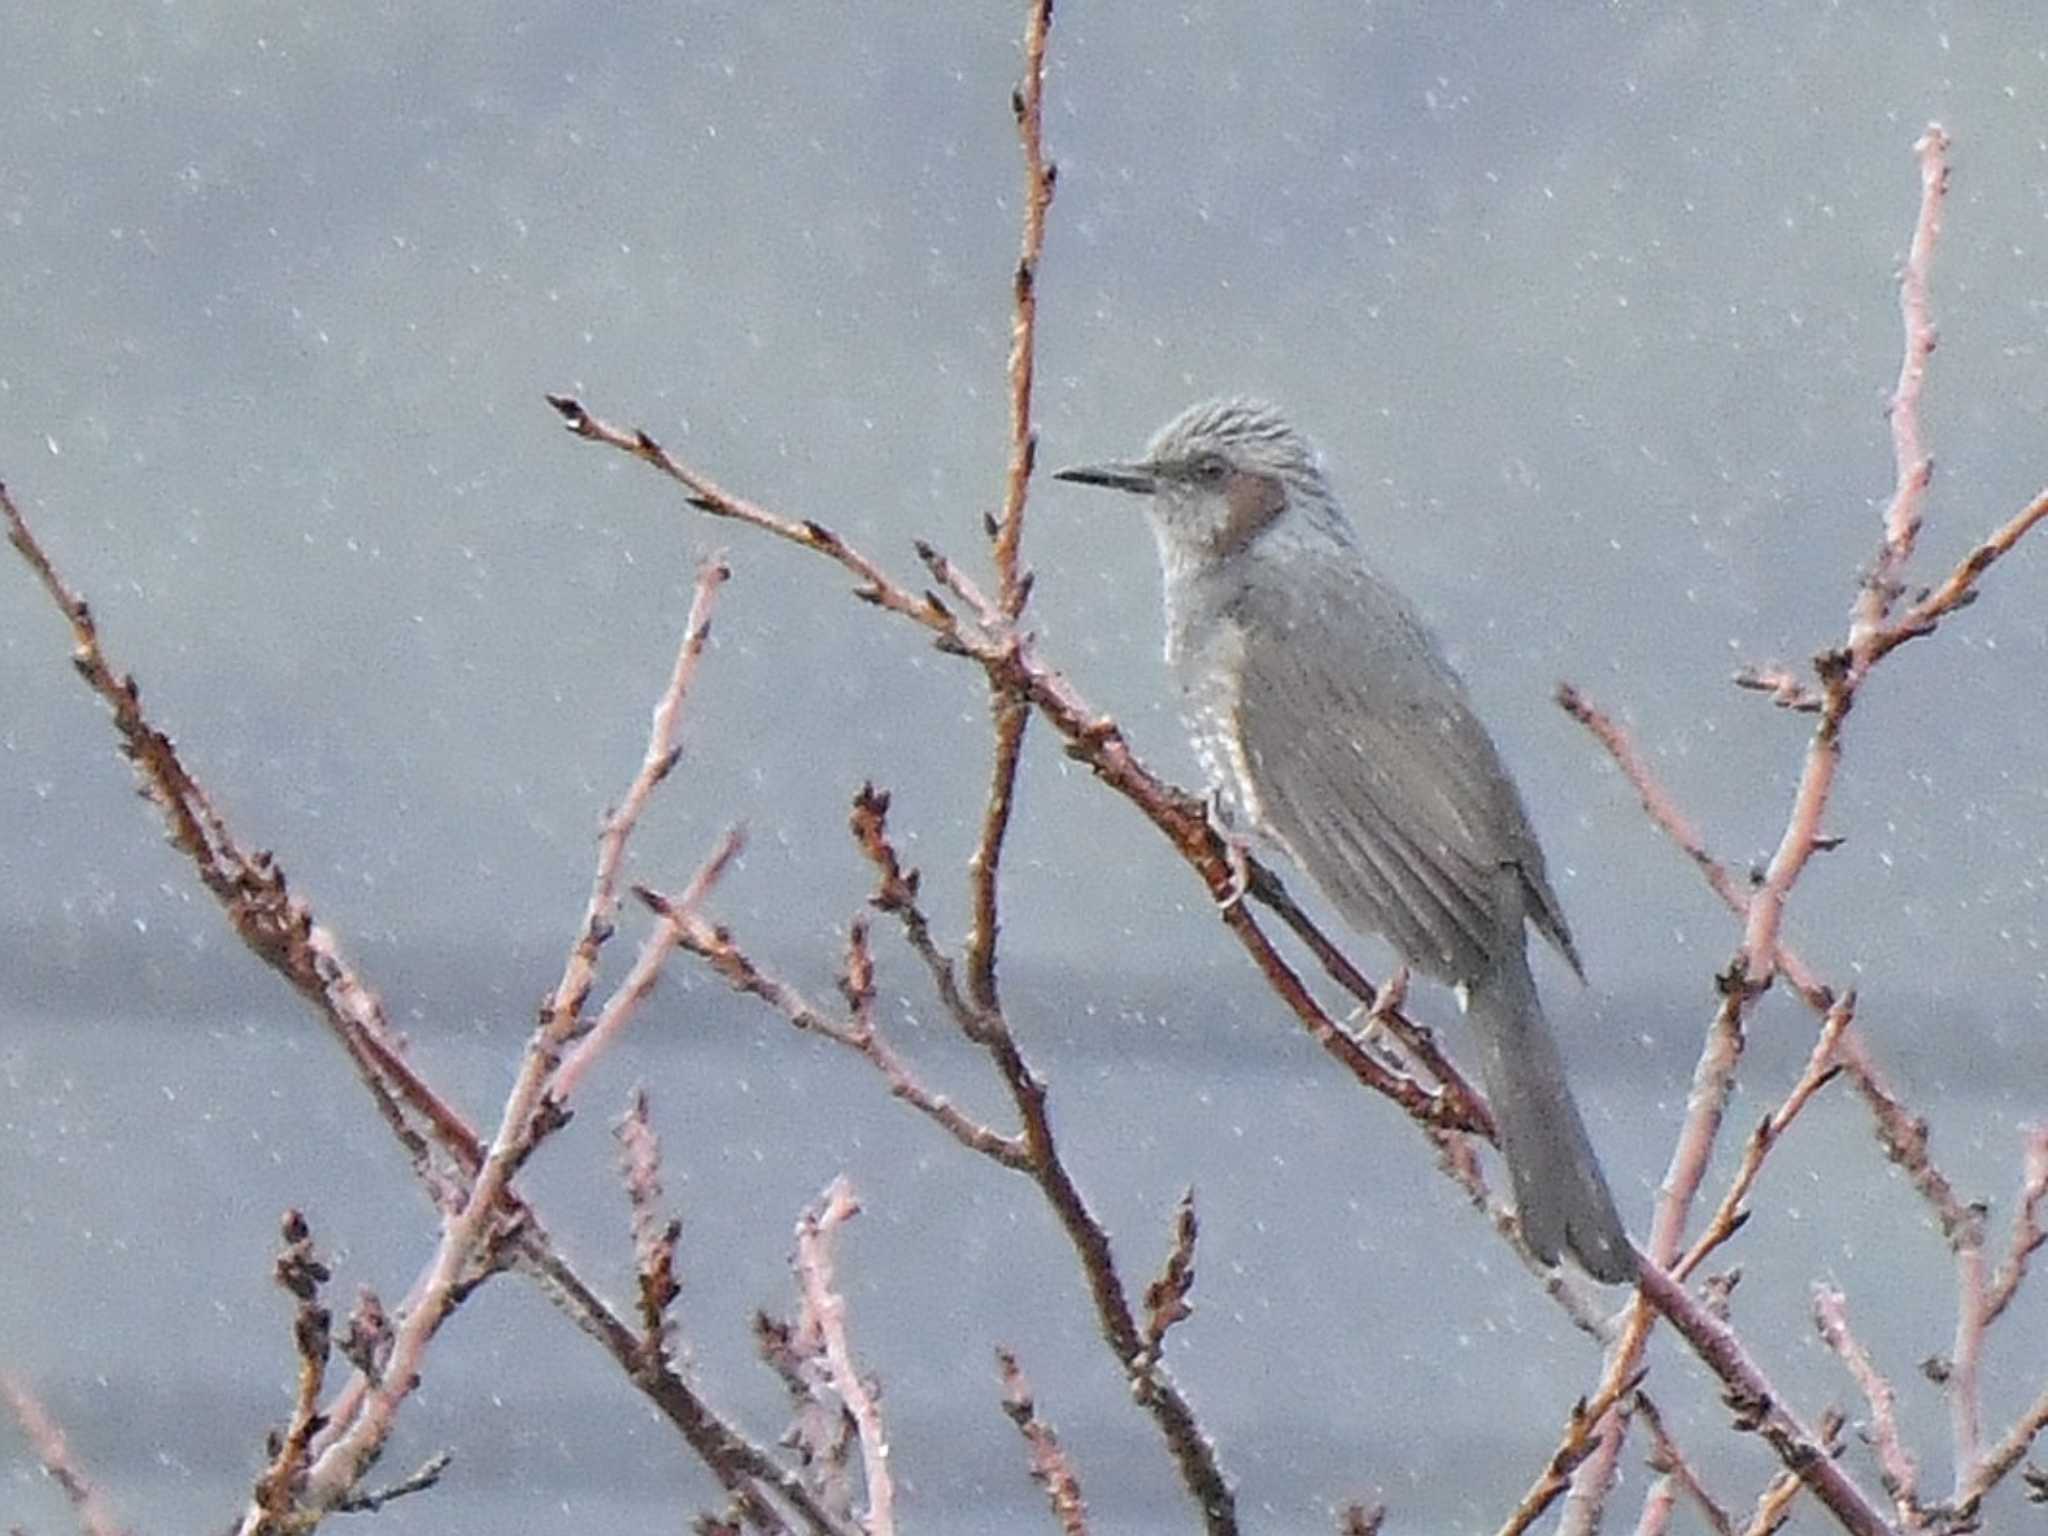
<point>1985,1474</point>
<point>1592,1471</point>
<point>467,1234</point>
<point>825,1310</point>
<point>1675,1475</point>
<point>1660,1502</point>
<point>1766,908</point>
<point>1959,588</point>
<point>655,1232</point>
<point>656,763</point>
<point>95,1515</point>
<point>1759,1407</point>
<point>1979,1303</point>
<point>1904,1137</point>
<point>1962,1380</point>
<point>673,919</point>
<point>1657,801</point>
<point>2027,1231</point>
<point>1821,1069</point>
<point>1900,1472</point>
<point>1912,468</point>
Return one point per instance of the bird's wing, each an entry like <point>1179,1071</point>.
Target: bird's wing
<point>1366,760</point>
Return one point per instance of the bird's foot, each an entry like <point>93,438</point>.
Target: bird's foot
<point>1237,852</point>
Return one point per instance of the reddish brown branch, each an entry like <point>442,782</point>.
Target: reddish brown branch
<point>1010,715</point>
<point>299,1272</point>
<point>1028,103</point>
<point>1035,1153</point>
<point>1774,1504</point>
<point>1050,1468</point>
<point>1166,1298</point>
<point>472,1243</point>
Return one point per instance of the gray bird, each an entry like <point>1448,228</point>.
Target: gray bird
<point>1331,726</point>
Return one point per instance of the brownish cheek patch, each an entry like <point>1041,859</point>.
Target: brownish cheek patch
<point>1253,501</point>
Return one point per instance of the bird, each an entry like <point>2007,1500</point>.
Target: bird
<point>1333,728</point>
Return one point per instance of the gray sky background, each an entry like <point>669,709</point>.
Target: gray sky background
<point>1593,315</point>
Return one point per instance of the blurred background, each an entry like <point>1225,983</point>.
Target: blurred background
<point>1594,315</point>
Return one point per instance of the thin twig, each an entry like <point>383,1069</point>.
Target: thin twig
<point>1912,468</point>
<point>1050,1467</point>
<point>1589,1450</point>
<point>1900,1472</point>
<point>1027,102</point>
<point>1009,715</point>
<point>1759,1408</point>
<point>1998,1461</point>
<point>1673,1469</point>
<point>655,1232</point>
<point>2027,1231</point>
<point>1821,1069</point>
<point>95,1516</point>
<point>531,1110</point>
<point>299,1272</point>
<point>656,763</point>
<point>824,1309</point>
<point>1774,1504</point>
<point>1166,1298</point>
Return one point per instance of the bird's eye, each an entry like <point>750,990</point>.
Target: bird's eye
<point>1210,468</point>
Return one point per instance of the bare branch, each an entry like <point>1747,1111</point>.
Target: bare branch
<point>1050,1468</point>
<point>427,1476</point>
<point>1166,1298</point>
<point>1010,715</point>
<point>1786,690</point>
<point>656,763</point>
<point>1821,1069</point>
<point>1028,104</point>
<point>2027,1232</point>
<point>300,1272</point>
<point>1912,468</point>
<point>95,1516</point>
<point>1900,1472</point>
<point>1759,1408</point>
<point>824,1310</point>
<point>1675,1473</point>
<point>1774,1504</point>
<point>655,1233</point>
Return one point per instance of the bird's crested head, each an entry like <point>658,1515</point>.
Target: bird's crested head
<point>1222,476</point>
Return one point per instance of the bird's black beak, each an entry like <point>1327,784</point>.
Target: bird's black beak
<point>1138,479</point>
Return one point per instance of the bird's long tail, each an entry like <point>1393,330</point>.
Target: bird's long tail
<point>1559,1189</point>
